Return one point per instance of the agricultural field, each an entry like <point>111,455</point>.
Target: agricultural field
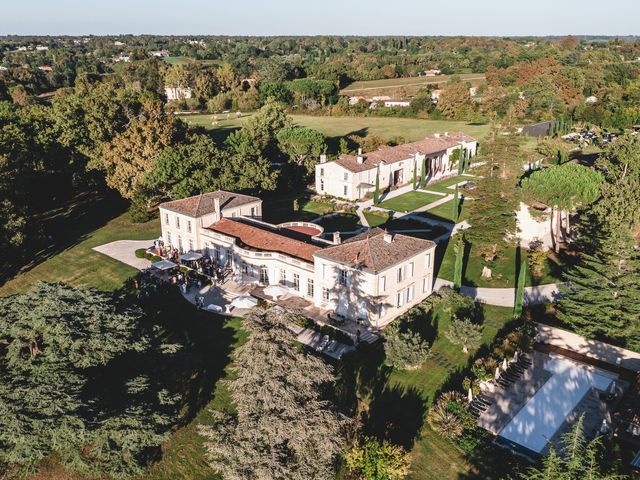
<point>409,86</point>
<point>410,129</point>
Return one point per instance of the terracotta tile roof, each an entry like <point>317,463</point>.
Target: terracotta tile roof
<point>427,146</point>
<point>203,204</point>
<point>370,250</point>
<point>252,236</point>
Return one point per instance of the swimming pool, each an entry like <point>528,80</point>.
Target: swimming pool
<point>541,417</point>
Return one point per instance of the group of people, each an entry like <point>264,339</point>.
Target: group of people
<point>206,266</point>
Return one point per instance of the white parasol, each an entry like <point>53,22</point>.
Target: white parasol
<point>244,301</point>
<point>275,291</point>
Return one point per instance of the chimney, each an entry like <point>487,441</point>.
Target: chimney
<point>323,158</point>
<point>216,207</point>
<point>359,150</point>
<point>360,159</point>
<point>336,238</point>
<point>388,237</point>
<point>446,134</point>
<point>437,135</point>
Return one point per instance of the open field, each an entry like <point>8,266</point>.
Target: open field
<point>391,86</point>
<point>78,265</point>
<point>410,129</point>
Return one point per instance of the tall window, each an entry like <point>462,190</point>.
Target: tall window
<point>346,190</point>
<point>253,211</point>
<point>399,299</point>
<point>410,273</point>
<point>190,245</point>
<point>410,293</point>
<point>343,277</point>
<point>322,185</point>
<point>322,172</point>
<point>325,294</point>
<point>283,275</point>
<point>166,219</point>
<point>400,274</point>
<point>310,288</point>
<point>189,226</point>
<point>382,284</point>
<point>177,221</point>
<point>427,261</point>
<point>296,282</point>
<point>426,284</point>
<point>179,243</point>
<point>264,275</point>
<point>168,239</point>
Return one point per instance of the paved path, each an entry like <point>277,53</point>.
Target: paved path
<point>124,251</point>
<point>505,297</point>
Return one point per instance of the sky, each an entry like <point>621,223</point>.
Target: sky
<point>320,17</point>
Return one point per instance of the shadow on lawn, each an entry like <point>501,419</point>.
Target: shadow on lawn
<point>64,227</point>
<point>189,374</point>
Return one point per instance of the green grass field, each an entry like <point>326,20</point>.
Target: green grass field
<point>79,265</point>
<point>411,129</point>
<point>503,269</point>
<point>341,222</point>
<point>390,86</point>
<point>443,185</point>
<point>410,201</point>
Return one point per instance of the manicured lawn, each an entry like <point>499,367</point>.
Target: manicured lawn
<point>183,455</point>
<point>283,208</point>
<point>79,265</point>
<point>375,218</point>
<point>340,222</point>
<point>445,212</point>
<point>411,129</point>
<point>503,269</point>
<point>397,408</point>
<point>442,186</point>
<point>409,201</point>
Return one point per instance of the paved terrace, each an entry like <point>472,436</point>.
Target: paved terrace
<point>506,403</point>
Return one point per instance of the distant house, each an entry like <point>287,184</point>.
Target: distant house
<point>355,99</point>
<point>45,68</point>
<point>591,100</point>
<point>435,95</point>
<point>121,57</point>
<point>41,48</point>
<point>177,93</point>
<point>473,91</point>
<point>118,43</point>
<point>352,177</point>
<point>159,53</point>
<point>397,103</point>
<point>431,73</point>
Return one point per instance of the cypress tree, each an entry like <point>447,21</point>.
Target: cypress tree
<point>522,278</point>
<point>456,205</point>
<point>376,193</point>
<point>415,175</point>
<point>457,272</point>
<point>423,173</point>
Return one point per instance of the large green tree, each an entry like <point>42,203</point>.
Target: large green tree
<point>275,387</point>
<point>302,145</point>
<point>70,382</point>
<point>563,188</point>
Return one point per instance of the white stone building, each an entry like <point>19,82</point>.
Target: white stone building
<point>371,278</point>
<point>177,93</point>
<point>352,177</point>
